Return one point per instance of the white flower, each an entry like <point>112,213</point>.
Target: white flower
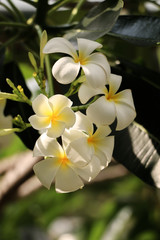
<point>111,105</point>
<point>95,66</point>
<point>53,114</point>
<point>88,143</point>
<point>62,165</point>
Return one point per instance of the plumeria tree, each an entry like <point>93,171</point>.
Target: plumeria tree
<point>92,105</point>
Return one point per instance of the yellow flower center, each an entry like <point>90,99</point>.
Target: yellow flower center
<point>108,97</point>
<point>111,97</point>
<point>53,118</point>
<point>91,140</point>
<point>64,161</point>
<point>81,59</point>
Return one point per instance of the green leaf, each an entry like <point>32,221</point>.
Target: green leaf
<point>33,61</point>
<point>43,42</point>
<point>99,20</point>
<point>139,30</point>
<point>139,153</point>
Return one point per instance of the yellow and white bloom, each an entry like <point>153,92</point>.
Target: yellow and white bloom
<point>53,115</point>
<point>95,65</point>
<point>111,105</point>
<point>62,165</point>
<point>88,143</point>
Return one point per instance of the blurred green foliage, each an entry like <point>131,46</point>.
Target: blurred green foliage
<point>98,205</point>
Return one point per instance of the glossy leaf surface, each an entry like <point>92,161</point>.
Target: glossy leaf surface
<point>139,30</point>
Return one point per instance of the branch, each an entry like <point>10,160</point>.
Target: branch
<point>16,170</point>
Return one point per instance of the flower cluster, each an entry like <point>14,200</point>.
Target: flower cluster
<point>77,146</point>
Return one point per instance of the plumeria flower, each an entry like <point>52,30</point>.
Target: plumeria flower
<point>63,165</point>
<point>53,115</point>
<point>88,143</point>
<point>95,65</point>
<point>111,105</point>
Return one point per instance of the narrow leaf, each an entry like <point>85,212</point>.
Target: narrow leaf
<point>33,61</point>
<point>139,30</point>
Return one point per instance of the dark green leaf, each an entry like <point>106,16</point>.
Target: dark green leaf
<point>150,76</point>
<point>139,153</point>
<point>146,96</point>
<point>140,30</point>
<point>99,20</point>
<point>137,150</point>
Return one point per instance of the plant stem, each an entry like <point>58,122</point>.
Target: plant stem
<point>41,12</point>
<point>85,106</point>
<point>14,24</point>
<point>81,107</point>
<point>19,14</point>
<point>47,64</point>
<point>49,76</point>
<point>57,5</point>
<point>9,11</point>
<point>75,10</point>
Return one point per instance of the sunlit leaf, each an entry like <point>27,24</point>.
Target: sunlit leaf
<point>139,153</point>
<point>99,20</point>
<point>140,30</point>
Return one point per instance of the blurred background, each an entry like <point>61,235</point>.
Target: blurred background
<point>117,205</point>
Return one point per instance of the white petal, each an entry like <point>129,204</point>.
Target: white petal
<point>90,171</point>
<point>125,115</point>
<point>106,146</point>
<point>83,123</point>
<point>95,75</point>
<point>114,83</point>
<point>37,151</point>
<point>125,109</point>
<point>103,161</point>
<point>56,130</point>
<point>59,102</point>
<point>79,151</point>
<point>46,146</point>
<point>67,116</point>
<point>41,106</point>
<point>87,46</point>
<point>125,96</point>
<point>86,92</point>
<point>60,45</point>
<point>101,60</point>
<point>67,180</point>
<point>71,135</point>
<point>46,170</point>
<point>39,122</point>
<point>102,111</point>
<point>65,70</point>
<point>102,132</point>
